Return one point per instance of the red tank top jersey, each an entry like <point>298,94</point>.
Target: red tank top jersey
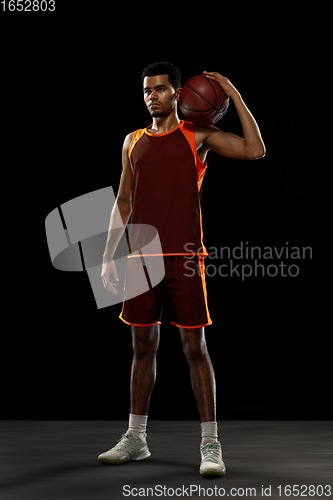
<point>166,189</point>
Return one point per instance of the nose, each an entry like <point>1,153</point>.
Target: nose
<point>153,95</point>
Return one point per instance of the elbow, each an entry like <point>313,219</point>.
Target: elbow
<point>124,206</point>
<point>258,153</point>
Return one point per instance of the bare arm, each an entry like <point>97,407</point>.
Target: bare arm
<point>120,215</point>
<point>251,147</point>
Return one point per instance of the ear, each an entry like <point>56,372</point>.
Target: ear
<point>178,93</point>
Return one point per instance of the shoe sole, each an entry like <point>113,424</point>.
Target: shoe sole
<point>211,473</point>
<point>115,461</point>
<point>145,456</point>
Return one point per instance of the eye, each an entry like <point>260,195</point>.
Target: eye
<point>161,90</point>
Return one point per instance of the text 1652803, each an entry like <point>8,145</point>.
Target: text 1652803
<point>28,5</point>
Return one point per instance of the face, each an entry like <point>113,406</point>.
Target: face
<point>159,95</point>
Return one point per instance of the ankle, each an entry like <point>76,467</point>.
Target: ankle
<point>208,432</point>
<point>138,425</point>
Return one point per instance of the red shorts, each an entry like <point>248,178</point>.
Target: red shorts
<point>183,287</point>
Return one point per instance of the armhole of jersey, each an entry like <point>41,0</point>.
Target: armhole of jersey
<point>136,136</point>
<point>188,132</point>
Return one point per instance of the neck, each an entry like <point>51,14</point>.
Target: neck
<point>165,123</point>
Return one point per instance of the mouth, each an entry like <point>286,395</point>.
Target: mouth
<point>154,105</point>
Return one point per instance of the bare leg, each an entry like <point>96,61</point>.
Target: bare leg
<point>145,341</point>
<point>202,372</point>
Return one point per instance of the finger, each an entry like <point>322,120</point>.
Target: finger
<point>215,76</point>
<point>109,286</point>
<point>106,282</point>
<point>212,74</point>
<point>112,287</point>
<point>211,77</point>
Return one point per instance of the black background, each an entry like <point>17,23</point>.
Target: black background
<point>71,93</point>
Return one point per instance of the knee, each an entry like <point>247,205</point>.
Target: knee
<point>144,349</point>
<point>145,344</point>
<point>194,350</point>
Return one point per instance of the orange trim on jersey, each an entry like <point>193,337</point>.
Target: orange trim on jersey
<point>188,131</point>
<point>165,133</point>
<point>132,256</point>
<point>136,136</point>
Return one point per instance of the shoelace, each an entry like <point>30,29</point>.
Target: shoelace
<point>211,451</point>
<point>123,441</point>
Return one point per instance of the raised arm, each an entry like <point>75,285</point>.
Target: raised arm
<point>249,147</point>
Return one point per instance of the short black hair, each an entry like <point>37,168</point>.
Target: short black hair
<point>164,68</point>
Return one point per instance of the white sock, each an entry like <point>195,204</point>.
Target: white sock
<point>208,432</point>
<point>138,425</point>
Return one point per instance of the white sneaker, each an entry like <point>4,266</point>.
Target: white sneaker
<point>127,448</point>
<point>211,459</point>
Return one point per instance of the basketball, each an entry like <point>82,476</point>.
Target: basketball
<point>203,101</point>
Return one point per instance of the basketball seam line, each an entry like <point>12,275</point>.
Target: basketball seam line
<point>205,119</point>
<point>213,109</point>
<point>202,97</point>
<point>219,109</point>
<point>213,89</point>
<point>198,93</point>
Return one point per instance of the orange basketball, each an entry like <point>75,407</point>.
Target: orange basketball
<point>203,101</point>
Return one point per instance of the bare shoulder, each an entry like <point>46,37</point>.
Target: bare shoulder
<point>128,140</point>
<point>125,151</point>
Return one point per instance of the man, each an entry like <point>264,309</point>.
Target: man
<point>160,185</point>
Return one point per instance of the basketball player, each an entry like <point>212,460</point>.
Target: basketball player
<point>163,168</point>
